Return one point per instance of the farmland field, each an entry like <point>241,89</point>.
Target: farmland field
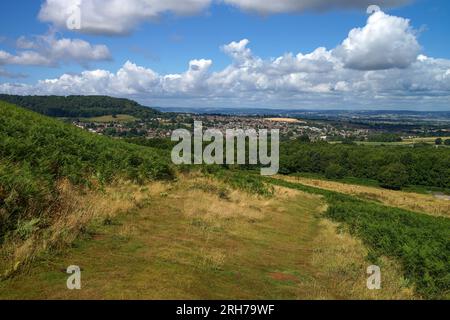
<point>406,142</point>
<point>110,118</point>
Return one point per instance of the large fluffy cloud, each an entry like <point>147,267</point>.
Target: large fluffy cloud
<point>385,42</point>
<point>51,51</point>
<point>303,80</point>
<point>351,75</point>
<point>119,17</point>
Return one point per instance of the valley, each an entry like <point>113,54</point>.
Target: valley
<point>139,227</point>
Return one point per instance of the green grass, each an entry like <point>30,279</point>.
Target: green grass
<point>421,243</point>
<point>347,180</point>
<point>431,140</point>
<point>110,118</point>
<point>36,153</point>
<point>405,142</point>
<point>240,180</point>
<point>374,143</point>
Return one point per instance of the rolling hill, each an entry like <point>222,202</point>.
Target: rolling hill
<point>37,153</point>
<point>80,106</point>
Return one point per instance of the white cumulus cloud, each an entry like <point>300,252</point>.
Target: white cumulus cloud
<point>385,42</point>
<point>50,51</point>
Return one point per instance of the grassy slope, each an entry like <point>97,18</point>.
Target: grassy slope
<point>110,118</point>
<point>227,246</point>
<point>37,153</point>
<point>418,241</point>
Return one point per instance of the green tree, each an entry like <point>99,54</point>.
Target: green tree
<point>304,138</point>
<point>334,171</point>
<point>394,176</point>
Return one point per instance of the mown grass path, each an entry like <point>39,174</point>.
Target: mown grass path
<point>160,252</point>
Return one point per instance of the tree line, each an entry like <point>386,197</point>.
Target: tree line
<point>393,166</point>
<point>80,106</point>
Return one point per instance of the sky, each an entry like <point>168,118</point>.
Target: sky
<point>289,54</point>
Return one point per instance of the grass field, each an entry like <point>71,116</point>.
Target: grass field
<point>431,140</point>
<point>230,245</point>
<point>405,142</point>
<point>110,118</point>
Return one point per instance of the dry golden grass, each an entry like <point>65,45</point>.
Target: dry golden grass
<point>198,239</point>
<point>76,209</point>
<point>212,200</point>
<point>338,261</point>
<point>405,200</point>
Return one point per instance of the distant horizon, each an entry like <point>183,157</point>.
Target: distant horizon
<point>322,109</point>
<point>248,109</point>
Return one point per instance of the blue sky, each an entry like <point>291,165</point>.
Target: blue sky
<point>162,44</point>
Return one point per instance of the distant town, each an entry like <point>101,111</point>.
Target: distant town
<point>333,127</point>
<point>162,128</point>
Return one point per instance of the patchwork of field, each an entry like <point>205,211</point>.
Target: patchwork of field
<point>198,239</point>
